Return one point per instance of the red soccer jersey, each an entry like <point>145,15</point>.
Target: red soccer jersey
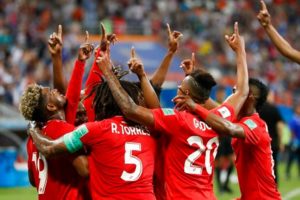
<point>55,178</point>
<point>190,154</point>
<point>121,162</point>
<point>254,162</point>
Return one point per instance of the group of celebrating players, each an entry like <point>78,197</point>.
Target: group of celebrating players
<point>113,141</point>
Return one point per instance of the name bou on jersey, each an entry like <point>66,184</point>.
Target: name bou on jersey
<point>129,130</point>
<point>201,125</point>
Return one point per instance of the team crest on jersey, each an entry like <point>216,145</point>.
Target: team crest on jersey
<point>250,123</point>
<point>168,111</point>
<point>224,112</point>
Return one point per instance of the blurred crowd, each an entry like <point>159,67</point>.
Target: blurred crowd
<point>25,26</point>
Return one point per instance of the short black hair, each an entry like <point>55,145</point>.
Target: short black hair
<point>202,86</point>
<point>104,103</point>
<point>263,92</point>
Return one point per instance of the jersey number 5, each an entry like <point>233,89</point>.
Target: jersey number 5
<point>39,161</point>
<point>189,167</point>
<point>131,159</point>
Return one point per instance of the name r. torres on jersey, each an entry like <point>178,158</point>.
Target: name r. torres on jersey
<point>123,129</point>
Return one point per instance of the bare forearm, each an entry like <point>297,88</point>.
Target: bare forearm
<point>217,123</point>
<point>124,101</point>
<point>282,45</point>
<point>47,146</point>
<point>242,73</point>
<point>160,74</point>
<point>58,78</point>
<point>150,96</point>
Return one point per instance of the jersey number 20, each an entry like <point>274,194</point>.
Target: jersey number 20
<point>131,159</point>
<point>189,166</point>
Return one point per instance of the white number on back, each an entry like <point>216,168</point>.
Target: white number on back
<point>189,167</point>
<point>131,159</point>
<point>40,160</point>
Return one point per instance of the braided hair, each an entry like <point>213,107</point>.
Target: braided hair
<point>104,103</point>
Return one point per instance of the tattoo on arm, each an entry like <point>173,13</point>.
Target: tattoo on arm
<point>47,146</point>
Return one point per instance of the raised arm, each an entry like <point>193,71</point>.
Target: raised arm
<point>237,43</point>
<point>131,111</point>
<point>74,86</point>
<point>55,49</point>
<point>160,74</point>
<point>136,66</point>
<point>95,72</point>
<point>281,44</point>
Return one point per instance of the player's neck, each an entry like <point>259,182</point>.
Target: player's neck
<point>247,112</point>
<point>60,115</point>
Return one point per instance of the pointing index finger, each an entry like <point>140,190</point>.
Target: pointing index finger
<point>59,31</point>
<point>103,32</point>
<point>86,36</point>
<point>263,6</point>
<point>193,59</point>
<point>169,30</point>
<point>132,52</point>
<point>236,28</point>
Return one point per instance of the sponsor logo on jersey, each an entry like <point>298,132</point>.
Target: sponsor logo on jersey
<point>168,111</point>
<point>250,123</point>
<point>224,112</point>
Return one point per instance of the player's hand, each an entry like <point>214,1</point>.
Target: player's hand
<point>264,16</point>
<point>235,41</point>
<point>173,39</point>
<point>106,40</point>
<point>135,65</point>
<point>103,62</point>
<point>188,65</point>
<point>184,102</point>
<point>55,42</point>
<point>86,49</point>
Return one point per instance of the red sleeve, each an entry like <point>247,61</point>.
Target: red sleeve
<point>225,111</point>
<point>92,133</point>
<point>73,91</point>
<point>165,119</point>
<point>93,78</point>
<point>251,129</point>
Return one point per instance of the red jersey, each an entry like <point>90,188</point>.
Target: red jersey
<point>54,178</point>
<point>190,154</point>
<point>121,162</point>
<point>254,162</point>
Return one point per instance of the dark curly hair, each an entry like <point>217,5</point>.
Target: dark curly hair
<point>263,92</point>
<point>201,85</point>
<point>104,103</point>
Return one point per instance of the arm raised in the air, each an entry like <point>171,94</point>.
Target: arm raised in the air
<point>281,44</point>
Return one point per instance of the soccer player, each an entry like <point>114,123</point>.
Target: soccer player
<point>122,153</point>
<point>54,178</point>
<point>193,145</point>
<point>251,143</point>
<point>281,44</point>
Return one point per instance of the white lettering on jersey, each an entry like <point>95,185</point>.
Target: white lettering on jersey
<point>201,125</point>
<point>129,130</point>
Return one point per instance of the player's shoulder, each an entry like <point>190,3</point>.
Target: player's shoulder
<point>56,128</point>
<point>255,123</point>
